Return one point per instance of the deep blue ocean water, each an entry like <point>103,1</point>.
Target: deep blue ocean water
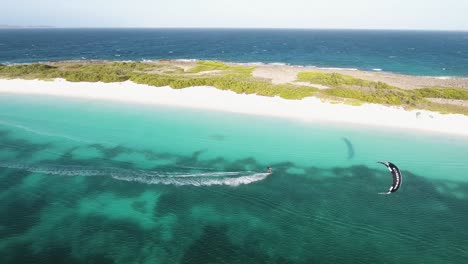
<point>409,52</point>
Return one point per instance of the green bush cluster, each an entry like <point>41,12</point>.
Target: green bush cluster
<point>229,71</point>
<point>176,82</point>
<point>335,80</point>
<point>251,86</point>
<point>446,93</point>
<point>98,72</point>
<point>241,86</point>
<point>208,66</point>
<point>446,108</point>
<point>331,79</point>
<point>345,86</point>
<point>29,71</point>
<point>378,96</point>
<point>90,76</point>
<point>104,72</point>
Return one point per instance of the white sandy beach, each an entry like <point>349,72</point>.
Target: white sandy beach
<point>308,109</point>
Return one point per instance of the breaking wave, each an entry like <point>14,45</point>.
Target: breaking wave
<point>194,178</point>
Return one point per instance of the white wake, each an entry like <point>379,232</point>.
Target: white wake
<point>194,178</point>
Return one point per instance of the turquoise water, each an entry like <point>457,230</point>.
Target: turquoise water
<point>99,182</point>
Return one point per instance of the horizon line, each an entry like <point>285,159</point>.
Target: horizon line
<point>228,28</point>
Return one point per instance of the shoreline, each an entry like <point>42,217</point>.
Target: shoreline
<point>309,109</point>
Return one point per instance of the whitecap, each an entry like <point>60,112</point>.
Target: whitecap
<point>278,63</point>
<point>255,63</point>
<point>187,60</point>
<point>337,68</point>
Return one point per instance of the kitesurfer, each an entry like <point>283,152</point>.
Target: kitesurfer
<point>269,169</point>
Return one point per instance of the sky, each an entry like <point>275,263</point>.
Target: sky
<point>342,14</point>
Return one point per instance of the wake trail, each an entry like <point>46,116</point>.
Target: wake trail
<point>194,178</point>
<point>45,133</point>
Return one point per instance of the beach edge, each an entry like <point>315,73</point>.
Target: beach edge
<point>209,98</point>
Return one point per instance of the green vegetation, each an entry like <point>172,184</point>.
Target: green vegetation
<point>345,86</point>
<point>208,66</point>
<point>447,108</point>
<point>29,71</point>
<point>232,71</point>
<point>234,78</point>
<point>335,80</point>
<point>239,79</point>
<point>388,97</point>
<point>331,80</point>
<point>359,90</point>
<point>113,72</point>
<point>443,92</point>
<point>240,86</point>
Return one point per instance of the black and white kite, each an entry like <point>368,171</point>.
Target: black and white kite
<point>396,176</point>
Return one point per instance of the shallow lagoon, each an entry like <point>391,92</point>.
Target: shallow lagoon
<point>99,182</point>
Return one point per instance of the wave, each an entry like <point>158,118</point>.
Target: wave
<point>187,60</point>
<point>194,178</point>
<point>278,64</point>
<point>7,63</point>
<point>338,68</point>
<point>254,63</point>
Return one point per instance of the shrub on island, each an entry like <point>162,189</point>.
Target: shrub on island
<point>330,79</point>
<point>228,70</point>
<point>443,92</point>
<point>208,66</point>
<point>36,70</point>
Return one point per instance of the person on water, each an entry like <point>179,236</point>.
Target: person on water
<point>269,169</point>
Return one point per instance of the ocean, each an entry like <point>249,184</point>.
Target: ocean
<point>88,181</point>
<point>423,53</point>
